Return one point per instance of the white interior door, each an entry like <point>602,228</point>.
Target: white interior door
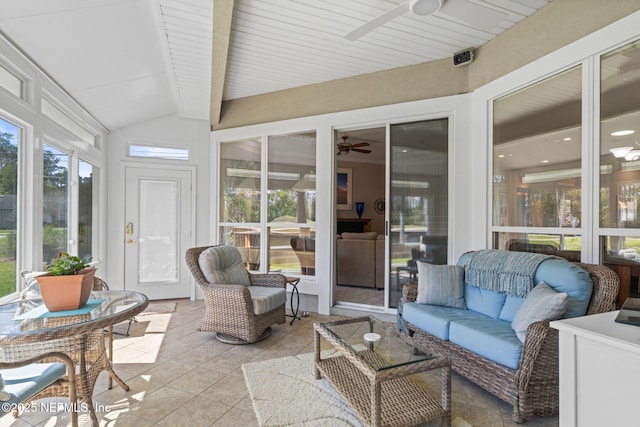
<point>157,231</point>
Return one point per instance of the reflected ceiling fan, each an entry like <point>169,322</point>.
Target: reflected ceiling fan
<point>461,10</point>
<point>344,147</point>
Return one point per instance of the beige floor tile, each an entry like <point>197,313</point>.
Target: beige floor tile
<point>180,376</point>
<point>198,412</point>
<point>237,417</point>
<point>230,390</point>
<point>197,380</point>
<point>160,403</point>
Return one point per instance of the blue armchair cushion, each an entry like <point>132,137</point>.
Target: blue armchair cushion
<point>440,285</point>
<point>26,381</point>
<point>223,265</point>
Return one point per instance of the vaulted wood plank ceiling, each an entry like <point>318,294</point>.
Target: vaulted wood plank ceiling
<point>128,61</point>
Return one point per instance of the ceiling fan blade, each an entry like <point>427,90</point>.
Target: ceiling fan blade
<point>473,14</point>
<point>378,21</point>
<point>360,144</point>
<point>360,150</point>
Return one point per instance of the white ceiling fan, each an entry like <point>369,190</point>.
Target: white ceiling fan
<point>462,10</point>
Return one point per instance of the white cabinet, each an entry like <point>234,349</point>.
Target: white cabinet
<point>599,371</point>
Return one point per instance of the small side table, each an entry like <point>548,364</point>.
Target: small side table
<point>293,281</point>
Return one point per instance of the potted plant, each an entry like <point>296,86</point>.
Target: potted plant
<point>67,283</point>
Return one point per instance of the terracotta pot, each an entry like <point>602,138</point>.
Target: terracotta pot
<point>61,293</point>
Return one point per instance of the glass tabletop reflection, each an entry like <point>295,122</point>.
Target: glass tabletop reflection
<point>369,336</point>
<point>103,308</point>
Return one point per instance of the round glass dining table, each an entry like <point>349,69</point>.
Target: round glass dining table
<point>27,329</point>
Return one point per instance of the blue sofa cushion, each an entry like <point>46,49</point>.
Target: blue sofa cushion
<point>564,276</point>
<point>484,301</point>
<point>435,319</point>
<point>560,274</point>
<point>24,382</point>
<point>490,338</point>
<point>510,308</point>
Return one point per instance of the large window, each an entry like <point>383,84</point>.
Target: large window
<point>283,223</point>
<point>537,166</point>
<point>9,141</point>
<point>62,204</point>
<point>240,189</point>
<point>291,204</point>
<point>619,213</point>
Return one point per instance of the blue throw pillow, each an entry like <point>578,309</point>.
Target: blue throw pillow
<point>440,285</point>
<point>541,303</point>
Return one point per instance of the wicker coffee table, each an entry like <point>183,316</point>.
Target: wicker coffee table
<point>370,369</point>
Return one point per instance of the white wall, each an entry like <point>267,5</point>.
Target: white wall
<point>168,131</point>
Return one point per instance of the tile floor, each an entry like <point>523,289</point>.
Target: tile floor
<point>179,376</point>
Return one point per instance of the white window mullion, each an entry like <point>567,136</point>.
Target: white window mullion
<point>73,209</point>
<point>590,162</point>
<point>264,203</point>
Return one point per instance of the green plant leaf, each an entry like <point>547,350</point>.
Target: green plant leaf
<point>67,265</point>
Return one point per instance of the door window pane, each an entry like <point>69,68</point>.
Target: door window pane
<point>55,189</point>
<point>9,140</point>
<point>537,154</point>
<point>158,235</point>
<point>291,203</point>
<point>419,208</point>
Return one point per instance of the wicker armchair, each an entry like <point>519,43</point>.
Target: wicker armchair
<point>231,307</point>
<point>533,389</point>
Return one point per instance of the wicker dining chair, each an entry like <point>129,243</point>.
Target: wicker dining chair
<point>240,307</point>
<point>26,374</point>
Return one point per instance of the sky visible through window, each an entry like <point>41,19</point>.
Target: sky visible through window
<point>6,127</point>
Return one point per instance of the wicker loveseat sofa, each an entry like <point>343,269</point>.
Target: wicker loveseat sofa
<point>482,345</point>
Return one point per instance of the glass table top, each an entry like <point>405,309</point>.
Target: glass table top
<point>376,342</point>
<point>29,315</point>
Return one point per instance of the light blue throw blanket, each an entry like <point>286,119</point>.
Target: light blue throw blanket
<point>503,271</point>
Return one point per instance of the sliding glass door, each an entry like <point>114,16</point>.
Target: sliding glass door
<point>418,200</point>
